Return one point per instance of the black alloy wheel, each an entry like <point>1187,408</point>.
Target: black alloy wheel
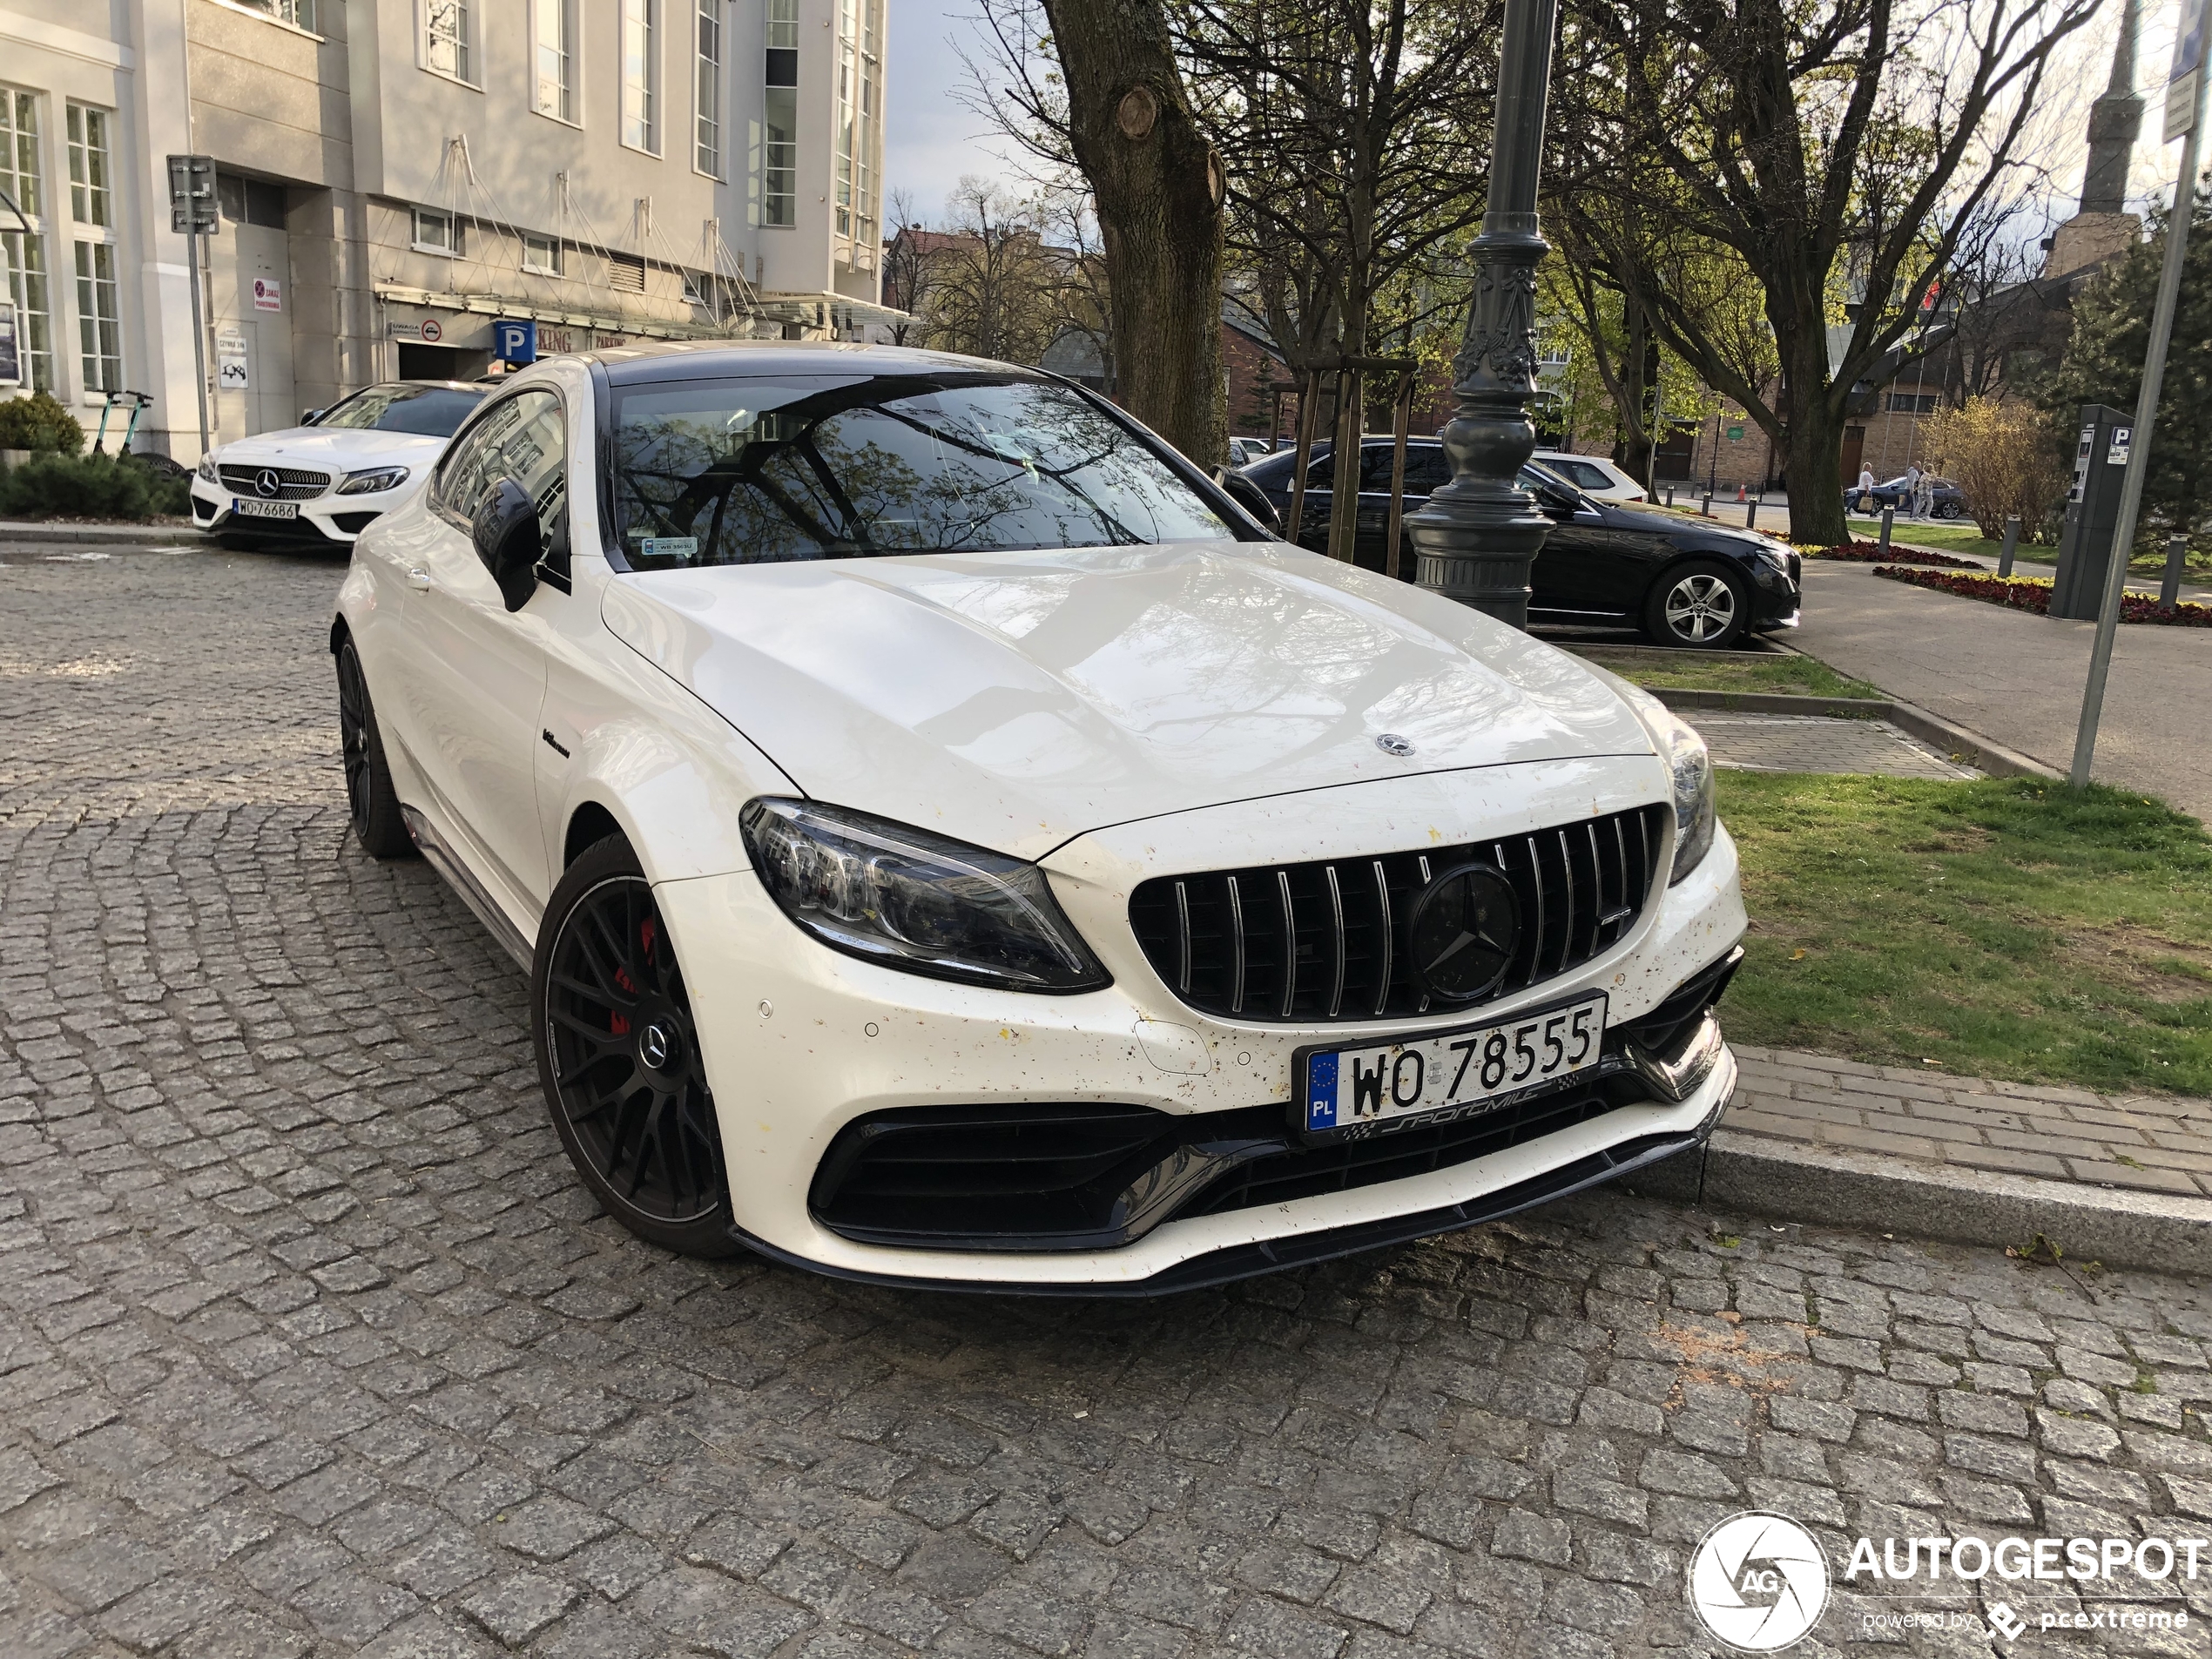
<point>1950,510</point>
<point>370,799</point>
<point>618,1056</point>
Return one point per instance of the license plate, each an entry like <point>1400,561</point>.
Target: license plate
<point>1347,1093</point>
<point>266,509</point>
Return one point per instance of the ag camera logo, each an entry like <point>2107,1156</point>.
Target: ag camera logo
<point>1758,1581</point>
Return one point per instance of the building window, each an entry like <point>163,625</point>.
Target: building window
<point>641,75</point>
<point>19,150</point>
<point>541,255</point>
<point>556,22</point>
<point>708,158</point>
<point>34,308</point>
<point>300,14</point>
<point>1913,403</point>
<point>780,118</point>
<point>99,318</point>
<point>445,43</point>
<point>436,233</point>
<point>859,77</point>
<point>89,198</point>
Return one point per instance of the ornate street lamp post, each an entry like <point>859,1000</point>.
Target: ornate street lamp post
<point>1478,534</point>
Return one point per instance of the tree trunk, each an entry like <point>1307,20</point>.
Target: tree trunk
<point>1816,453</point>
<point>1159,187</point>
<point>1638,385</point>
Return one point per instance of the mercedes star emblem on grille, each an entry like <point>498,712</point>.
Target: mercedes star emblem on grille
<point>1463,933</point>
<point>266,483</point>
<point>1390,744</point>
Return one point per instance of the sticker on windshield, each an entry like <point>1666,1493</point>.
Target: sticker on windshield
<point>669,546</point>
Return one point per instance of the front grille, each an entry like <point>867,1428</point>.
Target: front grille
<point>1309,943</point>
<point>294,483</point>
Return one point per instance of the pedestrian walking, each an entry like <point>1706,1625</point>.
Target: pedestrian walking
<point>1866,489</point>
<point>1912,490</point>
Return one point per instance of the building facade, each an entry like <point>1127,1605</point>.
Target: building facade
<point>395,176</point>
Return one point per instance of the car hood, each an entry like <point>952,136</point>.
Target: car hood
<point>1015,700</point>
<point>1641,516</point>
<point>340,448</point>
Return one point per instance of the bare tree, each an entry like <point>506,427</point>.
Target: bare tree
<point>1095,84</point>
<point>907,269</point>
<point>1854,146</point>
<point>991,289</point>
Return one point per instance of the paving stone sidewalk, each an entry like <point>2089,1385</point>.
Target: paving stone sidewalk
<point>311,1345</point>
<point>2144,1142</point>
<point>1817,742</point>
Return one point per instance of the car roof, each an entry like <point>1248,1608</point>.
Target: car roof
<point>684,359</point>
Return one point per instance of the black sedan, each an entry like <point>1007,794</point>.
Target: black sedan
<point>1946,500</point>
<point>1684,581</point>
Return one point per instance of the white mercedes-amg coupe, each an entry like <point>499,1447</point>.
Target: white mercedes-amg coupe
<point>952,844</point>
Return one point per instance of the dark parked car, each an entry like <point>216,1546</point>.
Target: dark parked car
<point>1949,501</point>
<point>1683,581</point>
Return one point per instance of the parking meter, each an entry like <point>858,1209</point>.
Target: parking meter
<point>2091,511</point>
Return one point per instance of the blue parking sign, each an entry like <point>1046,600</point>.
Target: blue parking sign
<point>514,339</point>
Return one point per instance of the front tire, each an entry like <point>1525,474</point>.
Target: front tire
<point>618,1057</point>
<point>1702,605</point>
<point>372,802</point>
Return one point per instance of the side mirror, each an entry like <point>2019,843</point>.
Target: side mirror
<point>507,537</point>
<point>1250,496</point>
<point>1559,502</point>
<point>308,417</point>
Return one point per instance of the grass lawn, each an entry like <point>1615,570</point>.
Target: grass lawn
<point>2008,927</point>
<point>1749,671</point>
<point>1965,537</point>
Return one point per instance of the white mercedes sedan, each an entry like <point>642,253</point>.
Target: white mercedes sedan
<point>951,844</point>
<point>321,483</point>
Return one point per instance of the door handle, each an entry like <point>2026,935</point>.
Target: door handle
<point>419,579</point>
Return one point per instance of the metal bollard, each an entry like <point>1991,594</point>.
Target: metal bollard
<point>1889,515</point>
<point>2177,550</point>
<point>2012,541</point>
<point>1705,508</point>
<point>1751,514</point>
<point>1670,495</point>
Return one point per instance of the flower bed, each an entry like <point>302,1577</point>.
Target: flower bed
<point>1870,553</point>
<point>2033,593</point>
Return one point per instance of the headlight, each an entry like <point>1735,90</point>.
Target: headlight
<point>207,468</point>
<point>370,482</point>
<point>916,901</point>
<point>1691,768</point>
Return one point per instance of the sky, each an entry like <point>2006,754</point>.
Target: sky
<point>932,138</point>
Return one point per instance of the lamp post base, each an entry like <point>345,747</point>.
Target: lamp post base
<point>1478,551</point>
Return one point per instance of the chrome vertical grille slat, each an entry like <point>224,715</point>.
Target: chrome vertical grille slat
<point>1336,914</point>
<point>1389,944</point>
<point>1182,934</point>
<point>1581,888</point>
<point>1236,948</point>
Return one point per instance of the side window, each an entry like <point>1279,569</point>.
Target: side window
<point>1427,469</point>
<point>524,438</point>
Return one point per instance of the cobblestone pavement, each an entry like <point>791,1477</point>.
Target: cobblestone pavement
<point>309,1342</point>
<point>1817,742</point>
<point>2151,1142</point>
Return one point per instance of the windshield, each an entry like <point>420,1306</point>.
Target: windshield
<point>428,411</point>
<point>763,471</point>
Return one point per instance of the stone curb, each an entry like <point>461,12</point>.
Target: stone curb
<point>1829,1186</point>
<point>1984,754</point>
<point>110,534</point>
